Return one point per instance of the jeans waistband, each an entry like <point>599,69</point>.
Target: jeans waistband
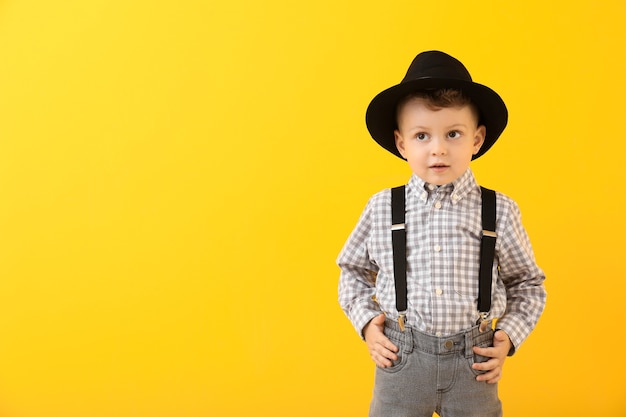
<point>462,342</point>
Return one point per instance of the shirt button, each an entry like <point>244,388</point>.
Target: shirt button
<point>437,248</point>
<point>431,187</point>
<point>438,291</point>
<point>438,205</point>
<point>438,334</point>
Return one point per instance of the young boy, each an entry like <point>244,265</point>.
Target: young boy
<point>441,353</point>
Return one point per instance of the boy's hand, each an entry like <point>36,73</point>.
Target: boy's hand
<point>498,353</point>
<point>381,349</point>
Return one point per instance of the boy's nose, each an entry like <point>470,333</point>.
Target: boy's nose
<point>438,147</point>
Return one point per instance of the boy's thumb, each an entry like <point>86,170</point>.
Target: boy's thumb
<point>501,336</point>
<point>379,320</point>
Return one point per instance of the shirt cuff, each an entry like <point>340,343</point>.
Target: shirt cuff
<point>362,313</point>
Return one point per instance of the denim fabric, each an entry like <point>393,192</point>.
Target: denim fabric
<point>434,374</point>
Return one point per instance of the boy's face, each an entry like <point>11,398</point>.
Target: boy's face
<point>438,143</point>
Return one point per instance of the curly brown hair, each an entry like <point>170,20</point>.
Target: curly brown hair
<point>441,98</point>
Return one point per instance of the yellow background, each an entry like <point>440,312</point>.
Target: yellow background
<point>177,179</point>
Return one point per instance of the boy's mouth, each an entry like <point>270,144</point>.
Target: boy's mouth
<point>439,168</point>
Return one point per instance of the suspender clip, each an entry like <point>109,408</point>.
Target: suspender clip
<point>402,320</point>
<point>483,323</point>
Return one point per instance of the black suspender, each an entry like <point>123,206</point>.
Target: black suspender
<point>398,238</point>
<point>487,250</point>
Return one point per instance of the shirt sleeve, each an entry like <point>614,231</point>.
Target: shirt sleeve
<point>522,277</point>
<point>357,282</point>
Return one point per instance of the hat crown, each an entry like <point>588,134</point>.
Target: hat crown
<point>436,64</point>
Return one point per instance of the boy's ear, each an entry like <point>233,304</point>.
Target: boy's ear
<point>479,138</point>
<point>399,142</point>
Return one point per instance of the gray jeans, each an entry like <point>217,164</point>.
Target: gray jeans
<point>434,374</point>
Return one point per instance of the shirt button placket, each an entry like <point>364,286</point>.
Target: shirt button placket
<point>437,263</point>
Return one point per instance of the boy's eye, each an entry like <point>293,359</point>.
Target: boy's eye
<point>454,134</point>
<point>421,136</point>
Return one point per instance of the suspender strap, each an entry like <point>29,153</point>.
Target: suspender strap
<point>398,238</point>
<point>487,249</point>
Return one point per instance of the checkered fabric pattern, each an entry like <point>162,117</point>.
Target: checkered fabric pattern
<point>443,226</point>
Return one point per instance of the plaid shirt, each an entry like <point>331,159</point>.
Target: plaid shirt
<point>443,227</point>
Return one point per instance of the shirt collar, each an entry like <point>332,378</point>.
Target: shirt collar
<point>457,190</point>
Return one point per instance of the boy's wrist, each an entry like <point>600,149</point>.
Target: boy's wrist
<point>366,321</point>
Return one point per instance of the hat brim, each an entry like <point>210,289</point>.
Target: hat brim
<point>381,113</point>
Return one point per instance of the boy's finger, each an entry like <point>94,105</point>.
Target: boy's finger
<point>489,365</point>
<point>382,360</point>
<point>488,352</point>
<point>390,346</point>
<point>386,343</point>
<point>384,351</point>
<point>383,363</point>
<point>490,377</point>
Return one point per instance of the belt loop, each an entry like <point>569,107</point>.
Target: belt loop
<point>408,341</point>
<point>469,343</point>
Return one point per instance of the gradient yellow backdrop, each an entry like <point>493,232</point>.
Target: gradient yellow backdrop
<point>177,178</point>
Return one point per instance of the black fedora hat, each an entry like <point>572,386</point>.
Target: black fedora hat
<point>433,70</point>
